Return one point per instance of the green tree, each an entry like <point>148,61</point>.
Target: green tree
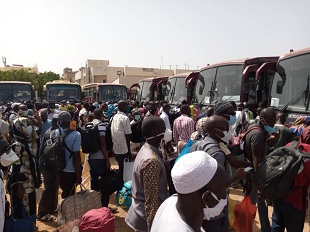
<point>37,80</point>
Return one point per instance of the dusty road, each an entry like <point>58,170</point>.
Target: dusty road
<point>121,226</point>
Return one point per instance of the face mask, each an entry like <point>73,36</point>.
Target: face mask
<point>232,120</point>
<point>155,136</point>
<point>227,136</point>
<point>25,113</point>
<point>29,130</point>
<point>216,210</point>
<point>8,158</point>
<point>267,128</point>
<point>137,117</point>
<point>246,109</point>
<point>167,136</point>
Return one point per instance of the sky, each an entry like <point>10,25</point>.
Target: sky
<point>54,34</point>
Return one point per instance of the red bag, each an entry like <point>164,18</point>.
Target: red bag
<point>97,220</point>
<point>244,215</point>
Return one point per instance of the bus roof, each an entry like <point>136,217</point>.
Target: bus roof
<point>102,84</point>
<point>15,82</point>
<point>247,61</point>
<point>61,83</point>
<point>152,78</point>
<point>295,53</point>
<point>182,75</point>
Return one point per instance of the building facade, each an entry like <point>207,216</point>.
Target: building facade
<point>99,71</point>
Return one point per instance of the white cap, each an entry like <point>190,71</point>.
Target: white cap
<point>15,104</point>
<point>193,171</point>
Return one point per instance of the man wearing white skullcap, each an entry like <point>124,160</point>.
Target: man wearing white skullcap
<point>201,185</point>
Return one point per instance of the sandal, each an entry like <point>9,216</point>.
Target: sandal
<point>47,217</point>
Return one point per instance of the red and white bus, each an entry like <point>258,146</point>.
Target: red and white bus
<point>16,91</point>
<point>104,92</point>
<point>244,80</point>
<point>290,86</point>
<point>150,89</point>
<point>181,87</point>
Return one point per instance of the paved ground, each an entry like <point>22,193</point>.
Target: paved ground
<point>121,226</point>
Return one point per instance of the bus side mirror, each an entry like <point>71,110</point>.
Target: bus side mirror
<point>280,87</point>
<point>201,89</point>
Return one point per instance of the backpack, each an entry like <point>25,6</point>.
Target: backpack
<point>202,145</point>
<point>90,138</point>
<point>52,152</point>
<point>108,136</point>
<point>237,149</point>
<point>275,176</point>
<point>136,135</point>
<point>124,197</point>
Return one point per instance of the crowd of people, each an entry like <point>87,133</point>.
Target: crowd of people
<point>184,162</point>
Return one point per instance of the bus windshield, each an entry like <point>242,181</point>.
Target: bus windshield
<point>179,94</point>
<point>289,82</point>
<point>16,92</point>
<point>228,83</point>
<point>112,93</point>
<point>146,94</point>
<point>61,92</point>
<point>203,86</point>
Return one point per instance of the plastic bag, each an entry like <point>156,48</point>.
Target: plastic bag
<point>244,213</point>
<point>231,215</point>
<point>128,170</point>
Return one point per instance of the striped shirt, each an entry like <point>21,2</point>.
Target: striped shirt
<point>183,127</point>
<point>101,129</point>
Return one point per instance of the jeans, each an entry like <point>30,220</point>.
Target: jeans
<point>286,216</point>
<point>98,168</point>
<point>262,208</point>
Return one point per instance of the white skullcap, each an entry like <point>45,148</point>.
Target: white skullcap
<point>193,171</point>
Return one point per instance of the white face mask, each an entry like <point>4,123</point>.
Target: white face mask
<point>227,136</point>
<point>167,136</point>
<point>216,210</point>
<point>155,136</point>
<point>8,158</point>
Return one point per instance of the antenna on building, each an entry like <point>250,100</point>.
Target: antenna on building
<point>4,60</point>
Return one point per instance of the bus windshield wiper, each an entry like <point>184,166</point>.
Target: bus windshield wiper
<point>307,95</point>
<point>298,97</point>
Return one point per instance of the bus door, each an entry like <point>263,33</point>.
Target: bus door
<point>249,85</point>
<point>264,77</point>
<point>161,90</point>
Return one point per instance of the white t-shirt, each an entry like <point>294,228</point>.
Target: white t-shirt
<point>165,117</point>
<point>120,127</point>
<point>168,219</point>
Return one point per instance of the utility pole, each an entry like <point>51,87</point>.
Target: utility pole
<point>4,60</point>
<point>185,65</point>
<point>197,67</point>
<point>162,62</point>
<point>170,66</point>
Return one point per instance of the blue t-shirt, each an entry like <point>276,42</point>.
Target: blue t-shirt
<point>45,126</point>
<point>73,142</point>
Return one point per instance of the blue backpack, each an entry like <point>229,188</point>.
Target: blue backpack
<point>124,197</point>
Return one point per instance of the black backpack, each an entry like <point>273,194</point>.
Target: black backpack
<point>52,152</point>
<point>136,129</point>
<point>275,176</point>
<point>90,138</point>
<point>108,136</point>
